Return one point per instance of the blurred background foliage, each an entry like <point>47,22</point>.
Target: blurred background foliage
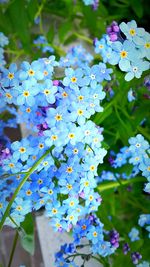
<point>63,21</point>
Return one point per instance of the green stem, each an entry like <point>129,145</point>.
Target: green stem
<point>13,221</point>
<point>40,9</point>
<point>88,40</point>
<point>102,187</point>
<point>13,249</point>
<point>33,168</point>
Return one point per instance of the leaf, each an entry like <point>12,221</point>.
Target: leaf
<point>27,234</point>
<point>63,30</point>
<point>137,7</point>
<point>50,34</point>
<point>105,145</point>
<point>5,23</point>
<point>17,14</point>
<point>32,8</point>
<point>100,117</point>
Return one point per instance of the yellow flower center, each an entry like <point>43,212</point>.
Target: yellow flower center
<point>69,186</point>
<point>47,92</point>
<point>31,72</point>
<point>1,205</point>
<point>95,234</point>
<point>71,135</point>
<point>8,95</point>
<point>64,94</point>
<point>80,112</point>
<point>50,191</point>
<point>10,76</point>
<point>19,208</point>
<point>86,183</point>
<point>75,151</point>
<point>90,197</point>
<point>71,204</point>
<point>22,149</point>
<point>92,168</point>
<point>69,169</point>
<point>45,163</point>
<point>83,227</point>
<point>80,97</point>
<point>54,211</point>
<point>58,117</point>
<point>41,146</point>
<point>71,217</point>
<point>11,165</point>
<point>123,54</point>
<point>40,181</point>
<point>54,137</point>
<point>28,110</point>
<point>147,45</point>
<point>26,93</point>
<point>45,72</point>
<point>132,32</point>
<point>74,79</point>
<point>29,192</point>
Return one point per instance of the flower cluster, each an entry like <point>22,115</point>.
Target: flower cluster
<point>136,154</point>
<point>144,220</point>
<point>76,56</point>
<point>58,113</point>
<point>93,3</point>
<point>126,45</point>
<point>3,42</point>
<point>88,233</point>
<point>42,43</point>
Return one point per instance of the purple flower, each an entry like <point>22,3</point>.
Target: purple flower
<point>136,256</point>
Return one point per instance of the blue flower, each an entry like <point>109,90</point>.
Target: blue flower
<point>138,144</point>
<point>31,72</point>
<point>131,95</point>
<point>95,234</point>
<point>74,78</point>
<point>21,150</point>
<point>3,40</point>
<point>145,168</point>
<point>143,264</point>
<point>26,93</point>
<point>135,69</point>
<point>10,76</point>
<point>132,32</point>
<point>134,234</point>
<point>49,91</point>
<point>123,54</point>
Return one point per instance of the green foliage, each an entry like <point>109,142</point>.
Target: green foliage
<point>27,234</point>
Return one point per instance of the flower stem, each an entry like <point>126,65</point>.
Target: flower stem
<point>83,37</point>
<point>33,168</point>
<point>105,186</point>
<point>13,249</point>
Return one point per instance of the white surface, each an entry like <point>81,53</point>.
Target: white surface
<point>51,241</point>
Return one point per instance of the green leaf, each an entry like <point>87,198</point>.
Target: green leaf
<point>50,34</point>
<point>63,30</point>
<point>137,7</point>
<point>32,8</point>
<point>5,23</point>
<point>17,14</point>
<point>27,234</point>
<point>105,145</point>
<point>100,117</point>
